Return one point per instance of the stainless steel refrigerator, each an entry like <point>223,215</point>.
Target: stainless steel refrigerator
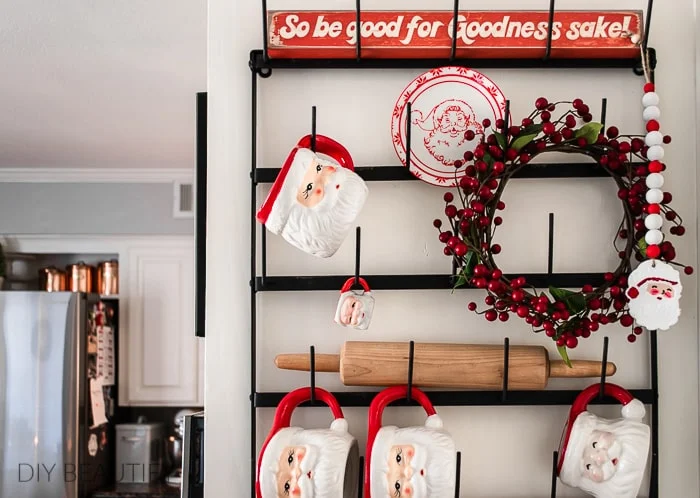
<point>57,393</point>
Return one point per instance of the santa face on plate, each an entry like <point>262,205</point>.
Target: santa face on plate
<point>655,292</point>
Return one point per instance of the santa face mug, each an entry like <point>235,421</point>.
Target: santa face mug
<point>315,198</point>
<point>355,307</point>
<point>605,458</point>
<point>655,291</point>
<point>410,462</point>
<point>308,463</point>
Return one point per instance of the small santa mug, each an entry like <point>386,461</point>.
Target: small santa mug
<point>316,197</point>
<point>415,462</point>
<point>296,462</point>
<point>355,307</point>
<point>605,458</point>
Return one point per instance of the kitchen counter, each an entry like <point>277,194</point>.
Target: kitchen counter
<point>153,490</point>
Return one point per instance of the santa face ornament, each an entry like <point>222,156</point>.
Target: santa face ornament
<point>654,295</point>
<point>316,197</point>
<point>410,462</point>
<point>605,458</point>
<point>355,307</point>
<point>308,463</point>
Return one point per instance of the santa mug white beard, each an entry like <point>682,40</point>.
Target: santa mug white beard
<point>654,295</point>
<point>315,199</point>
<point>355,307</point>
<point>607,458</point>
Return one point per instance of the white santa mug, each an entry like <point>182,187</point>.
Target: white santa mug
<point>316,197</point>
<point>355,307</point>
<point>415,462</point>
<point>605,458</point>
<point>308,463</point>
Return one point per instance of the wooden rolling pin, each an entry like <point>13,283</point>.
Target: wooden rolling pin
<point>465,366</point>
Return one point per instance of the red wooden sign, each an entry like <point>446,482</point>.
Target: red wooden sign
<point>488,34</point>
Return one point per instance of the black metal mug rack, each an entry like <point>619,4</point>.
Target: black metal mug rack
<point>262,66</point>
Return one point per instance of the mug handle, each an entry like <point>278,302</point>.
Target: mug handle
<point>349,283</point>
<point>283,417</point>
<point>376,409</point>
<point>329,147</point>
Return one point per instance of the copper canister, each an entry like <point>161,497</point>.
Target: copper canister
<point>80,277</point>
<point>51,279</point>
<point>108,278</point>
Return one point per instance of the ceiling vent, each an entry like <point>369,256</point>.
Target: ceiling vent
<point>183,201</point>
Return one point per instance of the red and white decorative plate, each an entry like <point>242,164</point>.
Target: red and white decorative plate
<point>445,103</point>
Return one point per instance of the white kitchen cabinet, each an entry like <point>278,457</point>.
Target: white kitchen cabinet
<point>165,359</point>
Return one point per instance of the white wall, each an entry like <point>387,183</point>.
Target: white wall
<point>506,451</point>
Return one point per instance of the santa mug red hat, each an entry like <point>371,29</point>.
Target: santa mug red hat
<point>419,462</point>
<point>308,463</point>
<point>316,197</point>
<point>606,458</point>
<point>355,307</point>
<point>654,295</point>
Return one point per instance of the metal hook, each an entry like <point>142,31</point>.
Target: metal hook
<point>312,369</point>
<point>603,112</point>
<point>358,33</point>
<point>604,369</point>
<point>411,350</point>
<point>453,49</point>
<point>408,134</point>
<point>313,128</point>
<point>550,246</point>
<point>458,471</point>
<point>357,256</point>
<point>555,463</point>
<point>550,27</point>
<point>506,353</point>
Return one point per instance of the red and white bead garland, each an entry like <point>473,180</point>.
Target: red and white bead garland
<point>654,139</point>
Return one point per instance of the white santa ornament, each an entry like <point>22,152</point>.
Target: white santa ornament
<point>316,197</point>
<point>416,462</point>
<point>654,294</point>
<point>605,458</point>
<point>308,463</point>
<point>355,307</point>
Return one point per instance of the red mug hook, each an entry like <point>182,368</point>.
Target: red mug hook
<point>283,417</point>
<point>580,405</point>
<point>329,147</point>
<point>349,283</point>
<point>376,409</point>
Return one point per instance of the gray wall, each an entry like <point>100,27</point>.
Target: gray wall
<point>90,208</point>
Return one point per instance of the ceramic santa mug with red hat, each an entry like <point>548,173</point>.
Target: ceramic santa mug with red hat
<point>605,458</point>
<point>316,197</point>
<point>415,462</point>
<point>355,307</point>
<point>308,463</point>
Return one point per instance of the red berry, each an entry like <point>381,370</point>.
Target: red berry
<point>637,331</point>
<point>523,311</point>
<point>561,341</point>
<point>489,300</point>
<point>501,205</point>
<point>587,288</point>
<point>496,248</point>
<point>609,277</point>
<point>448,197</point>
<point>491,315</point>
<point>593,326</point>
<point>524,158</point>
<point>548,128</point>
<point>571,342</point>
<point>445,236</point>
<point>667,139</point>
<point>653,125</point>
<point>497,220</point>
<point>581,142</point>
<point>503,316</point>
<point>626,320</point>
<point>472,306</point>
<point>498,167</point>
<point>633,292</point>
<point>667,198</point>
<point>511,154</point>
<point>518,295</point>
<point>469,135</point>
<point>670,215</point>
<point>496,274</point>
<point>452,243</point>
<point>461,249</point>
<point>468,156</point>
<point>447,251</point>
<point>594,303</point>
<point>451,211</point>
<point>500,123</point>
<point>680,230</point>
<point>612,132</point>
<point>577,103</point>
<point>480,271</point>
<point>583,109</point>
<point>688,270</point>
<point>437,223</point>
<point>545,116</point>
<point>514,130</point>
<point>653,251</point>
<point>570,121</point>
<point>631,338</point>
<point>541,104</point>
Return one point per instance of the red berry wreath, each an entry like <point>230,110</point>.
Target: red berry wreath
<point>472,213</point>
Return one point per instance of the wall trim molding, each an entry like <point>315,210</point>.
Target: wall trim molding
<point>95,175</point>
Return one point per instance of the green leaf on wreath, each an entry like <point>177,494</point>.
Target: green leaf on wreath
<point>642,246</point>
<point>461,280</point>
<point>523,140</point>
<point>471,260</point>
<point>575,302</point>
<point>533,128</point>
<point>564,355</point>
<point>488,159</point>
<point>590,132</point>
<point>501,139</point>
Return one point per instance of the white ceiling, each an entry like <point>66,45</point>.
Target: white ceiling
<point>100,83</point>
